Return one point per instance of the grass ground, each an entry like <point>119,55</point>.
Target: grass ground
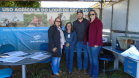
<point>47,73</point>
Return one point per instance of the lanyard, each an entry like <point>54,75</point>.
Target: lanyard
<point>68,35</point>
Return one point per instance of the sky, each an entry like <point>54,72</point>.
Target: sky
<point>66,4</point>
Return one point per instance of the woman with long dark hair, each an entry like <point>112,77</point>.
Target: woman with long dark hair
<point>70,37</point>
<point>55,44</point>
<point>93,39</point>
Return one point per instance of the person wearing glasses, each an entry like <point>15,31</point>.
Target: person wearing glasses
<point>93,39</point>
<point>55,45</point>
<point>80,27</point>
<point>70,37</point>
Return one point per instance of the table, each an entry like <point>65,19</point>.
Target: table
<point>116,54</point>
<point>131,66</point>
<point>26,61</point>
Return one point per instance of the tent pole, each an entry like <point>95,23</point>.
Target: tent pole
<point>101,7</point>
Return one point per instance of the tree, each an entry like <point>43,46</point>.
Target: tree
<point>35,4</point>
<point>7,3</point>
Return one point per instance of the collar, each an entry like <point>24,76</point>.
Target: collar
<point>56,26</point>
<point>94,20</point>
<point>80,22</point>
<point>59,27</point>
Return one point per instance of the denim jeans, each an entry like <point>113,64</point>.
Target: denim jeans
<point>69,58</point>
<point>94,60</point>
<point>55,64</point>
<point>79,47</point>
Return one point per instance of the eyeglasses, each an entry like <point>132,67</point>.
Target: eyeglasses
<point>58,21</point>
<point>92,14</point>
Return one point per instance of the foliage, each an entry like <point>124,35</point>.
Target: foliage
<point>35,4</point>
<point>7,3</point>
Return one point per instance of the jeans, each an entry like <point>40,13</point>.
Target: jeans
<point>69,58</point>
<point>79,47</point>
<point>94,60</point>
<point>55,64</point>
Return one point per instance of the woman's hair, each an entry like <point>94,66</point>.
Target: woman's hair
<point>67,25</point>
<point>94,12</point>
<point>60,21</point>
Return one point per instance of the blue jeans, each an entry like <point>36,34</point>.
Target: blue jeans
<point>55,64</point>
<point>79,47</point>
<point>69,58</point>
<point>94,60</point>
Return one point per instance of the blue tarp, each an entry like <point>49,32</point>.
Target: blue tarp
<point>24,38</point>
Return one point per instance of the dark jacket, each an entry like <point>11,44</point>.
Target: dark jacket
<point>95,33</point>
<point>80,29</point>
<point>54,41</point>
<point>72,40</point>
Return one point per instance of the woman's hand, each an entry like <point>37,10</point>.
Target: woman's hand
<point>67,45</point>
<point>54,49</point>
<point>95,46</point>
